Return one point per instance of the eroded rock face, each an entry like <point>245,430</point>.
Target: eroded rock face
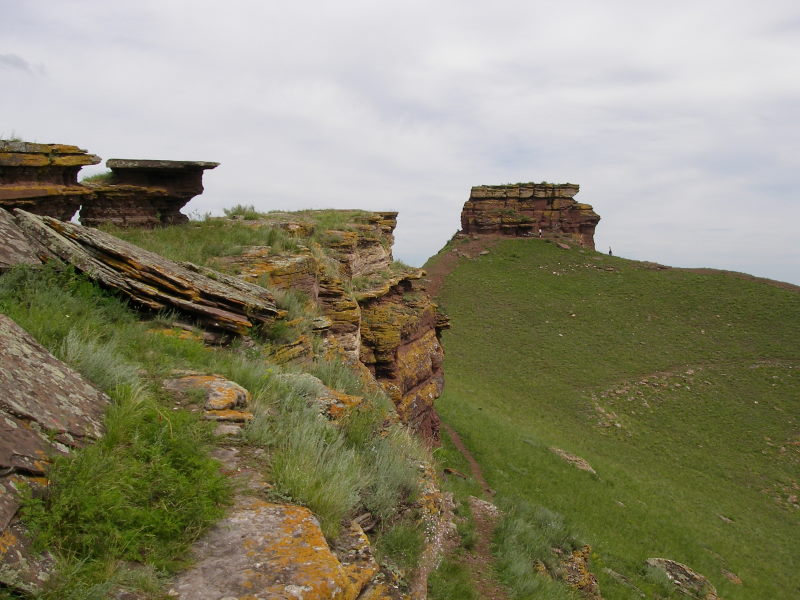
<point>400,344</point>
<point>529,209</point>
<point>46,409</point>
<point>221,302</point>
<point>145,193</point>
<point>43,178</point>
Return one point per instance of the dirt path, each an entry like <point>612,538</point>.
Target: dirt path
<point>480,560</point>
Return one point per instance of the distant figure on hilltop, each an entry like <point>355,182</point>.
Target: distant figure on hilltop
<point>610,253</point>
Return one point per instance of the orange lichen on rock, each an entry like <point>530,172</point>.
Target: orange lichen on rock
<point>574,570</point>
<point>265,550</point>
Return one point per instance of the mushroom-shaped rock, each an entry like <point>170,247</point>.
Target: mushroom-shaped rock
<point>145,193</point>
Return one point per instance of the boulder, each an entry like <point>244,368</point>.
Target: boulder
<point>145,193</point>
<point>216,300</point>
<point>688,581</point>
<point>272,551</point>
<point>43,178</point>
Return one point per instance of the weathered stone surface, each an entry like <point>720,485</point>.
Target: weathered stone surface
<point>575,461</point>
<point>400,345</point>
<point>283,271</point>
<point>574,571</point>
<point>529,209</point>
<point>367,248</point>
<point>344,313</point>
<point>270,551</point>
<point>332,403</point>
<point>46,408</point>
<point>688,581</point>
<point>219,393</point>
<point>43,178</point>
<point>21,568</point>
<point>145,193</point>
<point>218,301</point>
<point>16,248</point>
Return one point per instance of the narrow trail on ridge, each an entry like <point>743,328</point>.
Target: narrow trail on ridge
<point>479,560</point>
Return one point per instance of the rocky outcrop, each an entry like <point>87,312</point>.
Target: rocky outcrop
<point>366,249</point>
<point>529,209</point>
<point>688,581</point>
<point>400,344</point>
<point>388,323</point>
<point>43,178</point>
<point>144,193</point>
<point>46,409</point>
<point>218,301</point>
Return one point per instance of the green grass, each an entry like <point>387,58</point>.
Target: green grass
<point>147,489</point>
<point>106,177</point>
<point>202,241</point>
<point>450,581</point>
<point>401,544</point>
<point>681,389</point>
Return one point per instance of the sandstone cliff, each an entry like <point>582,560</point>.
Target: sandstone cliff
<point>357,305</point>
<point>529,209</point>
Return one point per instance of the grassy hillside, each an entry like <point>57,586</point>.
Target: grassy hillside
<point>681,389</point>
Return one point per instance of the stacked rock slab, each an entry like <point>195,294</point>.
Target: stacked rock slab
<point>529,209</point>
<point>43,178</point>
<point>145,193</point>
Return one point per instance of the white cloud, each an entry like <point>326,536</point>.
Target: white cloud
<point>679,120</point>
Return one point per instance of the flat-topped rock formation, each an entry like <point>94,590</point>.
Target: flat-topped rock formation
<point>43,178</point>
<point>529,209</point>
<point>145,193</point>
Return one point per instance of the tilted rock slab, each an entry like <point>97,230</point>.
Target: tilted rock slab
<point>529,209</point>
<point>218,301</point>
<point>46,409</point>
<point>16,248</point>
<point>43,178</point>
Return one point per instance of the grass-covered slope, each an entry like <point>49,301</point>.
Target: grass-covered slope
<point>681,389</point>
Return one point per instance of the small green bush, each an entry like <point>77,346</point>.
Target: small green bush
<point>242,211</point>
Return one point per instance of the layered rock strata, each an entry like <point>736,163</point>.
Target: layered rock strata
<point>389,324</point>
<point>529,209</point>
<point>145,193</point>
<point>400,344</point>
<point>43,178</point>
<point>219,301</point>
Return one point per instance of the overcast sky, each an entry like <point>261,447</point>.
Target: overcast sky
<point>680,120</point>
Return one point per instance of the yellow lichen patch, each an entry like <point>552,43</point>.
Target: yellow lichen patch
<point>7,541</point>
<point>299,348</point>
<point>181,334</point>
<point>337,404</point>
